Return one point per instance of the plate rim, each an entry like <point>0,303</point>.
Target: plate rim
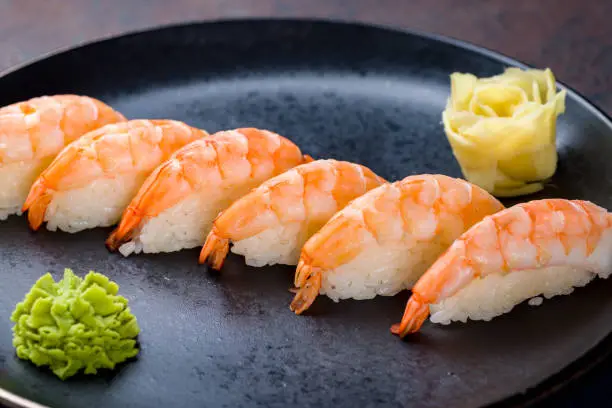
<point>537,392</point>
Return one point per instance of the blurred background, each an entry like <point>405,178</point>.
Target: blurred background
<point>573,39</point>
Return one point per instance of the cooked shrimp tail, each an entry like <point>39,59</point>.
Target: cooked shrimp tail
<point>414,316</point>
<point>245,211</point>
<point>123,233</point>
<point>37,201</point>
<point>307,294</point>
<point>215,250</point>
<point>163,185</point>
<point>302,273</point>
<point>41,195</point>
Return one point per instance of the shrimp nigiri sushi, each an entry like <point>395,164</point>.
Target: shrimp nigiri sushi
<point>33,132</point>
<point>384,240</point>
<point>543,247</point>
<point>177,204</point>
<point>93,179</point>
<point>271,223</point>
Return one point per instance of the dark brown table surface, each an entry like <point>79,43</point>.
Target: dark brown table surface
<point>572,37</point>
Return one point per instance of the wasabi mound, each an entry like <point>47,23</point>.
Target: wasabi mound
<point>75,324</point>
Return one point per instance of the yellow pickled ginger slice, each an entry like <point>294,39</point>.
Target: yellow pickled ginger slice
<point>502,129</point>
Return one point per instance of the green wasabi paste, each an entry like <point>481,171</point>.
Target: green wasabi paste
<point>74,324</point>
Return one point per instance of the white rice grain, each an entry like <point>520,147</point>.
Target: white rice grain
<point>536,301</point>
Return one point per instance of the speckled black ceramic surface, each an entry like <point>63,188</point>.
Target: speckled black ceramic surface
<point>351,92</point>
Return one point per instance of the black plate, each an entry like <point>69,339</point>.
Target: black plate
<point>352,92</point>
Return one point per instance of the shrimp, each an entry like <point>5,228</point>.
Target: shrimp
<point>542,247</point>
<point>177,204</point>
<point>91,181</point>
<point>271,223</point>
<point>384,240</point>
<point>33,132</point>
